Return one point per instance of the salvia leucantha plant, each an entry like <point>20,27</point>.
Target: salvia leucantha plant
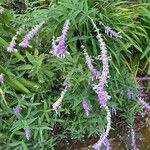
<point>63,77</point>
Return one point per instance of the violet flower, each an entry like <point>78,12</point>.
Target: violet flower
<point>58,45</point>
<point>112,33</point>
<point>140,87</point>
<point>25,42</point>
<point>95,72</point>
<point>86,107</point>
<point>27,133</point>
<point>1,78</point>
<point>133,139</point>
<point>142,102</point>
<point>17,109</point>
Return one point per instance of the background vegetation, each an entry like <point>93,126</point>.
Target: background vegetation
<point>34,78</point>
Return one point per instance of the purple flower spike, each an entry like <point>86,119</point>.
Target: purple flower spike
<point>30,35</point>
<point>17,109</point>
<point>86,107</point>
<point>1,78</point>
<point>112,33</point>
<point>59,49</point>
<point>27,133</point>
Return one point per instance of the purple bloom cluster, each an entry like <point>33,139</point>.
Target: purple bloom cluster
<point>17,109</point>
<point>58,45</point>
<point>25,42</point>
<point>1,78</point>
<point>112,33</point>
<point>27,133</point>
<point>95,72</point>
<point>86,107</point>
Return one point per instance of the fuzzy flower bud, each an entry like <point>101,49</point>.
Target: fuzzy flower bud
<point>25,42</point>
<point>1,10</point>
<point>12,45</point>
<point>17,109</point>
<point>86,107</point>
<point>27,133</point>
<point>1,78</point>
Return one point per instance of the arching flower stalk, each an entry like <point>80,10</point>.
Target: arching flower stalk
<point>1,78</point>
<point>102,139</point>
<point>57,104</point>
<point>12,45</point>
<point>89,61</point>
<point>25,42</point>
<point>86,107</point>
<point>58,45</point>
<point>133,144</point>
<point>100,88</point>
